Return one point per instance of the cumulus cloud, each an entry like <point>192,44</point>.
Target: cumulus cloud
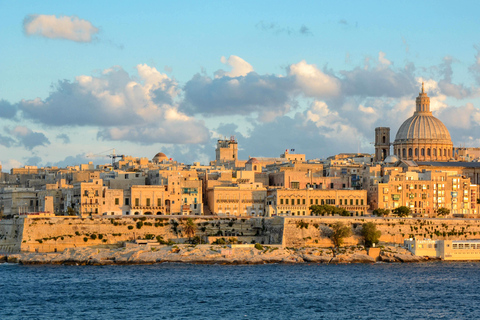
<point>243,91</point>
<point>63,138</point>
<point>458,91</point>
<point>128,108</point>
<point>378,82</point>
<point>33,161</point>
<point>313,82</point>
<point>10,164</point>
<point>239,67</point>
<point>240,95</point>
<point>28,138</point>
<point>63,27</point>
<point>7,110</point>
<point>6,141</point>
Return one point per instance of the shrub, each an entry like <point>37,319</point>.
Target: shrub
<point>149,236</point>
<point>100,236</point>
<point>104,240</point>
<point>258,246</point>
<point>139,224</point>
<point>93,236</point>
<point>85,239</point>
<point>219,241</point>
<point>147,224</point>
<point>130,227</point>
<point>77,233</point>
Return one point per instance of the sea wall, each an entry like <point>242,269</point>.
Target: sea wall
<point>58,233</point>
<point>315,231</point>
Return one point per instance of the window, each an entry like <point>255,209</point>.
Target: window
<point>148,202</point>
<point>316,201</point>
<point>117,201</point>
<point>137,202</point>
<point>159,202</point>
<point>286,201</point>
<point>361,202</point>
<point>127,201</point>
<point>351,202</point>
<point>311,201</point>
<point>340,201</point>
<point>281,201</point>
<point>298,201</point>
<point>356,202</point>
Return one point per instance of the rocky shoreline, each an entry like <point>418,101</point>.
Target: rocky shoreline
<point>210,254</point>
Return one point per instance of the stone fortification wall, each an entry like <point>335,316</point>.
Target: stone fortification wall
<point>315,231</point>
<point>11,232</point>
<point>58,233</point>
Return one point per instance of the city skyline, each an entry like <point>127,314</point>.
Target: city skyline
<point>175,77</point>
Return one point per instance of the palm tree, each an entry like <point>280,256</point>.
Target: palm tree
<point>189,228</point>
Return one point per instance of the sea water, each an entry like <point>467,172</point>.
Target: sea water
<point>275,291</point>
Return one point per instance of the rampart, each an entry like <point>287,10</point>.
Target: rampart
<point>58,233</point>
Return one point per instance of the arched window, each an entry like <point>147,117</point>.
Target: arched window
<point>410,152</point>
<point>444,152</point>
<point>383,139</point>
<point>434,152</point>
<point>255,167</point>
<point>428,152</point>
<point>422,152</point>
<point>404,153</point>
<point>416,152</point>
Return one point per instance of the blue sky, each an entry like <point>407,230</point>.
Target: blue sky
<point>79,78</point>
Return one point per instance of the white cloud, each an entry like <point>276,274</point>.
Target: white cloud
<point>239,67</point>
<point>28,138</point>
<point>127,107</point>
<point>382,60</point>
<point>10,164</point>
<point>313,82</point>
<point>63,27</point>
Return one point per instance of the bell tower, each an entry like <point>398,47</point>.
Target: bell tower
<point>382,143</point>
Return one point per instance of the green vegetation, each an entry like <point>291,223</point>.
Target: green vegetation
<point>189,228</point>
<point>443,211</point>
<point>85,239</point>
<point>149,236</point>
<point>77,233</point>
<point>258,246</point>
<point>340,232</point>
<point>139,224</point>
<point>130,227</point>
<point>93,236</point>
<point>381,212</point>
<point>301,224</point>
<point>370,233</point>
<point>402,211</point>
<point>325,209</point>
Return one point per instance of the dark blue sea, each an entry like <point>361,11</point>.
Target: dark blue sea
<point>180,291</point>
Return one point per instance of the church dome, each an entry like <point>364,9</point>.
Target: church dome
<point>159,157</point>
<point>424,127</point>
<point>422,137</point>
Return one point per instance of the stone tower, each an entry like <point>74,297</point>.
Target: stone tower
<point>227,150</point>
<point>382,143</point>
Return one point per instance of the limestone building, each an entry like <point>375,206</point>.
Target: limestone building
<point>422,137</point>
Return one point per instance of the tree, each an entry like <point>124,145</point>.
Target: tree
<point>189,228</point>
<point>443,211</point>
<point>370,233</point>
<point>325,209</point>
<point>381,212</point>
<point>340,232</point>
<point>402,211</point>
